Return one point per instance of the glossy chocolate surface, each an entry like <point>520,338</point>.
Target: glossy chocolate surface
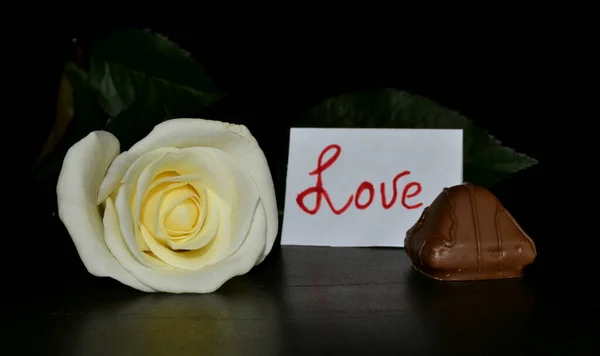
<point>466,234</point>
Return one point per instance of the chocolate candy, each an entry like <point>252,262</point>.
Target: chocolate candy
<point>466,234</point>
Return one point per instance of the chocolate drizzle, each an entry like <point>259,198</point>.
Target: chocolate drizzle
<point>499,210</point>
<point>453,220</point>
<point>477,234</point>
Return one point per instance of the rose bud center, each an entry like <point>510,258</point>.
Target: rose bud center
<point>183,217</point>
<point>181,210</point>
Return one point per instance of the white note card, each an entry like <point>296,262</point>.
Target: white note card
<point>365,187</point>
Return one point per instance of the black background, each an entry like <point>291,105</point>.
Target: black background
<point>507,85</point>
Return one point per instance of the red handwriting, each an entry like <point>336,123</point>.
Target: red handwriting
<point>364,195</point>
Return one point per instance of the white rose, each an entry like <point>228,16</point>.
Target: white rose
<point>184,210</point>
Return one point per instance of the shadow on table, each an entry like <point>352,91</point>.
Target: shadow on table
<point>370,301</point>
<point>482,317</point>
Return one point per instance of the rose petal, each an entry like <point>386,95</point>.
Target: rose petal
<point>189,162</point>
<point>246,194</point>
<point>128,220</point>
<point>205,280</point>
<point>115,174</point>
<point>235,140</point>
<point>82,171</point>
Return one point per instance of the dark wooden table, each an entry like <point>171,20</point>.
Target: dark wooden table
<point>311,301</point>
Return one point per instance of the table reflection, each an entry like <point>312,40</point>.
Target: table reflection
<point>300,301</point>
<point>161,324</point>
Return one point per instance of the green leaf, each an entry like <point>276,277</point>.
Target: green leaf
<point>486,161</point>
<point>142,79</point>
<point>136,79</point>
<point>87,117</point>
